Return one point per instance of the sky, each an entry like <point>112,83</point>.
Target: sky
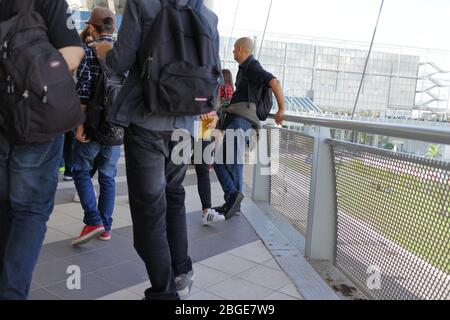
<point>413,23</point>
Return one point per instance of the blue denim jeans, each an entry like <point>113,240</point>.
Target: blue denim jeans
<point>229,170</point>
<point>28,182</point>
<point>106,159</point>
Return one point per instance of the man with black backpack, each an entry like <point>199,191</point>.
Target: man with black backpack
<point>251,103</point>
<point>97,140</point>
<point>38,103</point>
<point>172,51</point>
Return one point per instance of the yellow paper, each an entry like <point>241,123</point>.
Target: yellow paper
<point>205,132</point>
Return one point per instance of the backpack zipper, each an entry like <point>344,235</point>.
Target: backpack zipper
<point>44,94</point>
<point>4,50</point>
<point>146,67</point>
<point>10,85</point>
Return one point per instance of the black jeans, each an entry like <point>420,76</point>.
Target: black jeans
<point>203,178</point>
<point>69,139</point>
<point>157,208</point>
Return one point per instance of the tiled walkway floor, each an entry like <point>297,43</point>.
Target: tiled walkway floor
<point>230,262</point>
<point>245,273</point>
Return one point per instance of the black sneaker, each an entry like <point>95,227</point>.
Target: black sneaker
<point>234,205</point>
<point>222,209</point>
<point>184,283</point>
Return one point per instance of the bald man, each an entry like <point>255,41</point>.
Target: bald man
<point>242,115</point>
<point>256,75</point>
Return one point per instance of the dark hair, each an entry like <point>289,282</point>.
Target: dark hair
<point>107,27</point>
<point>228,77</point>
<point>84,35</point>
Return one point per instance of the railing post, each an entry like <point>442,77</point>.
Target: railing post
<point>322,217</point>
<point>261,169</point>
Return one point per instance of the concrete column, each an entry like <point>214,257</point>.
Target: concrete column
<point>322,217</point>
<point>262,169</point>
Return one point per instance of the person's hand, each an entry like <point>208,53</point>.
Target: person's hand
<point>213,123</point>
<point>279,117</point>
<point>90,40</point>
<point>81,134</point>
<point>102,49</point>
<point>208,116</point>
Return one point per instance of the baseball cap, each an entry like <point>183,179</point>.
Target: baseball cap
<point>99,15</point>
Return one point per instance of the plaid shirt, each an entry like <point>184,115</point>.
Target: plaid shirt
<point>88,71</point>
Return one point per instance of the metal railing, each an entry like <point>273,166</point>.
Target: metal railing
<point>381,217</point>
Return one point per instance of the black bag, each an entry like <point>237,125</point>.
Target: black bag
<point>97,127</point>
<point>262,97</point>
<point>38,98</point>
<point>265,103</point>
<point>179,67</point>
<point>223,116</point>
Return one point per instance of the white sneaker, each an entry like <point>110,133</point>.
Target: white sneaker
<point>212,217</point>
<point>76,197</point>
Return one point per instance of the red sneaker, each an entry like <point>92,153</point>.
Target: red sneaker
<point>87,234</point>
<point>105,236</point>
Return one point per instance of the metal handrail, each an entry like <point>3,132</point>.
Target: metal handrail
<point>431,135</point>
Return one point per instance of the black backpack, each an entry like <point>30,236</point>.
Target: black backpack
<point>97,126</point>
<point>262,97</point>
<point>38,98</point>
<point>179,67</point>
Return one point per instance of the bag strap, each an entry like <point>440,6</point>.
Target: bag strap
<point>248,82</point>
<point>23,6</point>
<point>104,68</point>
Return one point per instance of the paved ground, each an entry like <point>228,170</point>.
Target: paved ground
<point>230,260</point>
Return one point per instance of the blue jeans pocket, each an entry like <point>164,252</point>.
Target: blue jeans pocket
<point>84,155</point>
<point>31,155</point>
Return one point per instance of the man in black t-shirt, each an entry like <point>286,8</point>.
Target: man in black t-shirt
<point>242,118</point>
<point>28,173</point>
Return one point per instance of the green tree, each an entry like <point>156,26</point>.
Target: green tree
<point>434,151</point>
<point>389,146</point>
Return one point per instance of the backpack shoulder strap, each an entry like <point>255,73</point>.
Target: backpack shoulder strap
<point>248,81</point>
<point>248,66</point>
<point>23,6</point>
<point>102,63</point>
<point>246,69</point>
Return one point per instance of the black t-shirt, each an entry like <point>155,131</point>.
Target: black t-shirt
<point>61,31</point>
<point>250,73</point>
